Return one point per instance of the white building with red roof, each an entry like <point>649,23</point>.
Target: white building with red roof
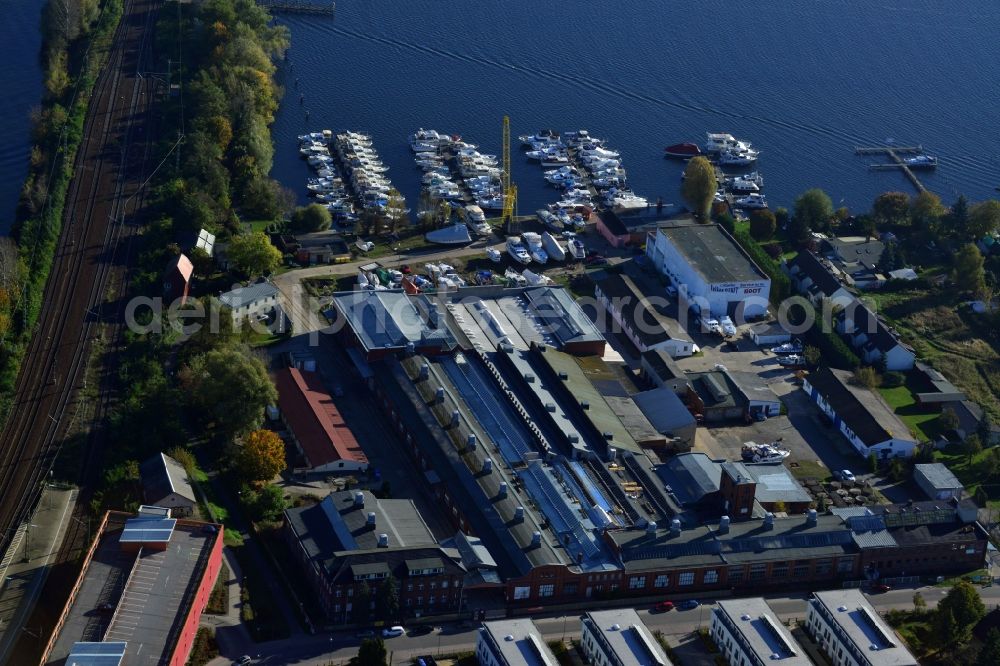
<point>316,425</point>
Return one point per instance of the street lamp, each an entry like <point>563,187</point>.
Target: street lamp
<point>27,537</point>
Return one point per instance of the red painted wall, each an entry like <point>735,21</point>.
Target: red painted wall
<point>186,639</point>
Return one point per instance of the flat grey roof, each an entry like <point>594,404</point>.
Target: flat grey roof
<point>690,476</point>
<point>938,476</point>
<point>391,319</point>
<point>526,646</point>
<point>862,625</point>
<point>761,630</point>
<point>627,638</point>
<point>151,609</point>
<point>775,483</point>
<point>664,409</point>
<point>712,252</point>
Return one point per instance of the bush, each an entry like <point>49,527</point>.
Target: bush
<point>892,379</point>
<point>780,285</point>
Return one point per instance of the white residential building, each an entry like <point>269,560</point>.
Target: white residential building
<point>514,642</point>
<point>748,633</point>
<point>850,631</point>
<point>252,300</point>
<point>619,638</point>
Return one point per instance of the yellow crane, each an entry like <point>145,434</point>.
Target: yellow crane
<point>509,189</point>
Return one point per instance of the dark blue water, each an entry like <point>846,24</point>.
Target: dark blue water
<point>805,81</point>
<point>21,83</point>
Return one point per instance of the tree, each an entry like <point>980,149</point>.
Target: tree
<point>973,446</point>
<point>866,376</point>
<point>990,654</point>
<point>967,270</point>
<point>762,224</point>
<point>897,469</point>
<point>313,217</point>
<point>813,210</point>
<point>231,388</point>
<point>266,503</point>
<point>872,463</point>
<point>985,430</point>
<point>965,607</point>
<point>253,254</point>
<point>984,219</point>
<point>185,458</point>
<point>959,216</point>
<point>812,355</point>
<point>926,210</point>
<point>948,419</point>
<point>202,261</point>
<point>361,608</point>
<point>371,653</point>
<point>387,599</point>
<point>261,456</point>
<point>945,625</point>
<point>892,208</point>
<point>781,217</point>
<point>395,211</point>
<point>890,258</point>
<point>699,187</point>
<point>981,497</point>
<point>919,604</point>
<point>867,225</point>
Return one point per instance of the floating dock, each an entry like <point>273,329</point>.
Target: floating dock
<point>894,152</point>
<point>325,7</point>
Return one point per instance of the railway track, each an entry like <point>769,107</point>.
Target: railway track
<point>93,249</point>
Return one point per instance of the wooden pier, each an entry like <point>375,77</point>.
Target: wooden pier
<point>894,152</point>
<point>324,7</point>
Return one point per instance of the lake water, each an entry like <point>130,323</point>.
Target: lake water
<point>805,81</point>
<point>21,82</point>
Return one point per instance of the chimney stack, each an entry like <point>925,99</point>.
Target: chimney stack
<point>487,466</point>
<point>439,395</point>
<point>383,540</point>
<point>536,539</point>
<point>519,514</point>
<point>455,418</point>
<point>811,518</point>
<point>768,521</point>
<point>651,528</point>
<point>724,525</point>
<point>371,519</point>
<point>502,493</point>
<point>359,499</point>
<point>471,442</point>
<point>675,527</point>
<point>425,371</point>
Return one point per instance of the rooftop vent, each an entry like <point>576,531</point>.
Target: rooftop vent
<point>675,527</point>
<point>842,609</point>
<point>584,405</point>
<point>608,436</point>
<point>563,376</point>
<point>745,617</point>
<point>487,466</point>
<point>550,407</point>
<point>371,519</point>
<point>439,395</point>
<point>471,442</point>
<point>616,627</point>
<point>425,371</point>
<point>519,514</point>
<point>651,527</point>
<point>359,498</point>
<point>502,492</point>
<point>768,521</point>
<point>724,525</point>
<point>536,539</point>
<point>811,517</point>
<point>383,540</point>
<point>530,378</point>
<point>456,417</point>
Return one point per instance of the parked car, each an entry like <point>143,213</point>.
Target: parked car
<point>728,327</point>
<point>710,325</point>
<point>880,587</point>
<point>664,606</point>
<point>689,604</point>
<point>393,631</point>
<point>844,475</point>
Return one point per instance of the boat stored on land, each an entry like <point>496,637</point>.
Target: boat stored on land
<point>454,234</point>
<point>553,247</point>
<point>517,251</point>
<point>763,453</point>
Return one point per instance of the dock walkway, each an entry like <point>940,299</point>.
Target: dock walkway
<point>325,7</point>
<point>894,152</point>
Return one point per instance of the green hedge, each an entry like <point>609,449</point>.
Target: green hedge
<point>38,234</point>
<point>780,285</point>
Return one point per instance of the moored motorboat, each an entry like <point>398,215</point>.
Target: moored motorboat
<point>921,162</point>
<point>752,201</point>
<point>682,150</point>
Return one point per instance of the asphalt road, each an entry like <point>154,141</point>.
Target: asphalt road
<point>339,648</point>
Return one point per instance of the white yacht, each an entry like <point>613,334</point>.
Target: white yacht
<point>743,186</point>
<point>544,136</point>
<point>763,453</point>
<point>734,157</point>
<point>752,201</point>
<point>535,248</point>
<point>576,248</point>
<point>517,251</point>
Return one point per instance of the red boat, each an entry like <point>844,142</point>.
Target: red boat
<point>682,150</point>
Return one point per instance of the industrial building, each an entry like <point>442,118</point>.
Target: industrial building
<point>851,633</point>
<point>352,539</point>
<point>862,415</point>
<point>514,642</point>
<point>937,481</point>
<point>669,416</point>
<point>315,424</point>
<point>710,269</point>
<point>619,638</point>
<point>141,592</point>
<point>748,633</point>
<point>383,323</point>
<point>634,316</point>
<point>165,483</point>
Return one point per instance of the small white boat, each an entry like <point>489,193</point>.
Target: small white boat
<point>921,162</point>
<point>734,157</point>
<point>535,279</point>
<point>763,453</point>
<point>493,255</point>
<point>576,248</point>
<point>743,186</point>
<point>543,136</point>
<point>553,247</point>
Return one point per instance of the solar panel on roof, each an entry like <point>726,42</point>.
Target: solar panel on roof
<point>140,530</point>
